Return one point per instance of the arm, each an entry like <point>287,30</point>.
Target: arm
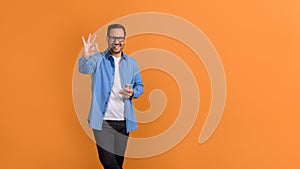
<point>87,66</point>
<point>138,87</point>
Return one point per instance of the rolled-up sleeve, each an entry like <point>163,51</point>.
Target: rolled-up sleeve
<point>87,66</point>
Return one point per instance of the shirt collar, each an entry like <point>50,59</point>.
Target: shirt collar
<point>107,55</point>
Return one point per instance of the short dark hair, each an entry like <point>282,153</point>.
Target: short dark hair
<point>114,26</point>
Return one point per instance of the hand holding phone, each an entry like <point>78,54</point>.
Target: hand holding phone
<point>127,92</point>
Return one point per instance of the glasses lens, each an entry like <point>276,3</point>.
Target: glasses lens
<point>114,38</point>
<point>121,39</point>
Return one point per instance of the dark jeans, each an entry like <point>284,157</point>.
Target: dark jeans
<point>111,143</point>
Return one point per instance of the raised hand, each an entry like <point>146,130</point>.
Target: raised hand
<point>90,47</point>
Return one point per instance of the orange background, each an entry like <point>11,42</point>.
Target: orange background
<point>258,43</point>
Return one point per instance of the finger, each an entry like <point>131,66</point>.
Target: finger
<point>97,47</point>
<point>89,39</point>
<point>94,39</point>
<point>83,40</point>
<point>127,90</point>
<point>122,92</point>
<point>126,94</point>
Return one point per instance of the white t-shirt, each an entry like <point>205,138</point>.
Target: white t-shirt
<point>115,105</point>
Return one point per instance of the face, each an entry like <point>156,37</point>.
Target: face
<point>116,40</point>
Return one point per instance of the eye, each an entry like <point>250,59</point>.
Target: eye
<point>114,38</point>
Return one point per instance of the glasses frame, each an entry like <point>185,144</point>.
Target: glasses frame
<point>115,38</point>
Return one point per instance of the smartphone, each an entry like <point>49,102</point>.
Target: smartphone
<point>128,86</point>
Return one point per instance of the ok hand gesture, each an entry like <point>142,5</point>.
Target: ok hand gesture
<point>90,47</point>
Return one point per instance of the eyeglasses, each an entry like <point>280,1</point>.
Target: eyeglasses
<point>114,38</point>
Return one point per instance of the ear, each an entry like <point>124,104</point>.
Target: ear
<point>107,40</point>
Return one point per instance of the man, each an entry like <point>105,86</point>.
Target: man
<point>111,113</point>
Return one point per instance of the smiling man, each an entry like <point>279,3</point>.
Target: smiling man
<point>116,81</point>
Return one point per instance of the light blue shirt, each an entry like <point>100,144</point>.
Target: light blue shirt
<point>102,68</point>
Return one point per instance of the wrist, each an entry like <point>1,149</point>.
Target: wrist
<point>86,57</point>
